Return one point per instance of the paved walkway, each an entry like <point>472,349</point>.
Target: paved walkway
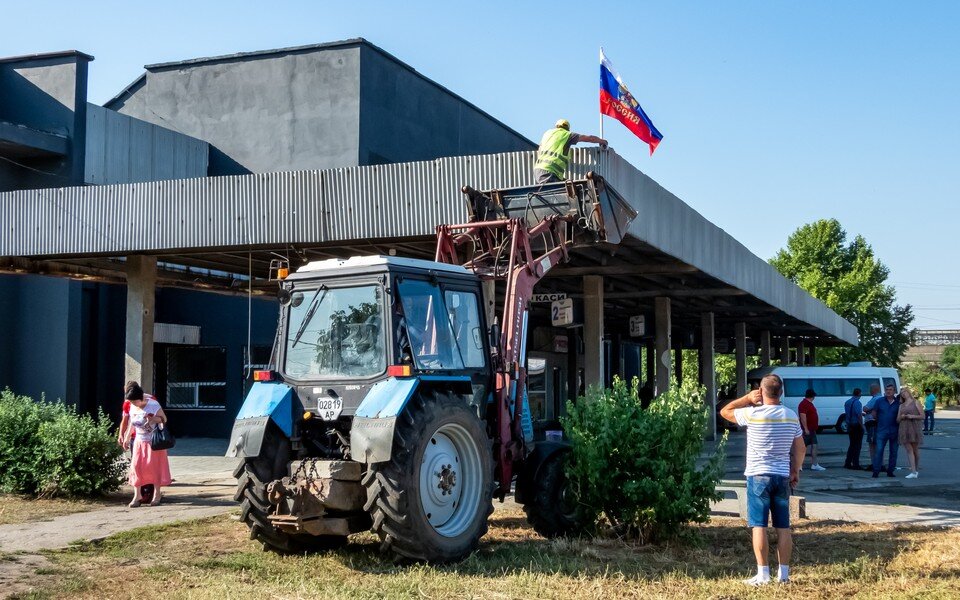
<point>203,486</point>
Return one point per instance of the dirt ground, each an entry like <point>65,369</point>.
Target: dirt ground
<point>214,558</point>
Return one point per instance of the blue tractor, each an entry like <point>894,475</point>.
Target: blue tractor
<point>392,404</point>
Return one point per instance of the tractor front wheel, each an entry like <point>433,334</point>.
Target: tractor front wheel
<point>431,500</point>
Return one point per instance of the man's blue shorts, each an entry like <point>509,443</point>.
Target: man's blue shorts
<point>766,495</point>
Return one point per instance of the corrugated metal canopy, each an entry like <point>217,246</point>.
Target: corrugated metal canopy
<point>234,225</point>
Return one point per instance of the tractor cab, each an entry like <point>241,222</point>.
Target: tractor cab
<point>348,324</point>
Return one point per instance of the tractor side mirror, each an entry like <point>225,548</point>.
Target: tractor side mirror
<point>495,335</point>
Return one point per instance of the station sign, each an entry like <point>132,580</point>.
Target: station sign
<point>561,312</point>
<point>547,298</point>
<point>638,326</point>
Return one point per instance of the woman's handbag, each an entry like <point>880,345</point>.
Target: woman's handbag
<point>162,439</point>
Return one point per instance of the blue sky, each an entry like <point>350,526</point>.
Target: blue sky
<point>774,114</point>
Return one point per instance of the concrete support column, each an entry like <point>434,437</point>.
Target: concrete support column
<point>649,362</point>
<point>662,344</point>
<point>678,365</point>
<point>593,330</point>
<point>801,353</point>
<point>616,357</point>
<point>740,333</point>
<point>573,368</point>
<point>141,297</point>
<point>765,349</point>
<point>813,355</point>
<point>784,350</point>
<point>708,371</point>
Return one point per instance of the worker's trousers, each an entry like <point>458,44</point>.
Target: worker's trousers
<point>855,434</point>
<point>884,437</point>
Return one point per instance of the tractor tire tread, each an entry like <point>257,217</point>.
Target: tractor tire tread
<point>391,507</point>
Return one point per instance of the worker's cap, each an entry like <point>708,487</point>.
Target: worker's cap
<point>563,124</point>
<point>810,394</point>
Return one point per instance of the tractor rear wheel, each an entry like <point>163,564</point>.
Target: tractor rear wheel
<point>552,508</point>
<point>431,500</point>
<point>253,475</point>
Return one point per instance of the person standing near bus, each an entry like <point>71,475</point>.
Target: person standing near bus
<point>810,422</point>
<point>870,421</point>
<point>911,436</point>
<point>853,415</point>
<point>886,410</point>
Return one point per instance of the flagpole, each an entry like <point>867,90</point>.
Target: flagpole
<point>601,114</point>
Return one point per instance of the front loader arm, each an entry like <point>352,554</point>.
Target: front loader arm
<point>517,235</point>
<point>522,270</point>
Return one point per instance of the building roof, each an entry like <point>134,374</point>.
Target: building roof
<point>231,223</point>
<point>264,54</point>
<point>46,55</point>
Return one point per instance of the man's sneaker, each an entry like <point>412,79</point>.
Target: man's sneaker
<point>817,468</point>
<point>889,474</point>
<point>913,475</point>
<point>756,580</point>
<point>875,475</point>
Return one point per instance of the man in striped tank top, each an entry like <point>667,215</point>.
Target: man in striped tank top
<point>775,452</point>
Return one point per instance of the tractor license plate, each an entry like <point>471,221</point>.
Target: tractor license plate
<point>329,409</point>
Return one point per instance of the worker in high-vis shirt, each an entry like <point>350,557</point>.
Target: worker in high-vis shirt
<point>553,156</point>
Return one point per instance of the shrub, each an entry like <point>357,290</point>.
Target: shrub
<point>20,420</point>
<point>638,468</point>
<point>48,448</point>
<point>79,456</point>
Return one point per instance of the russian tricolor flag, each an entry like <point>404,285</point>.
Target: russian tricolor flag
<point>616,101</point>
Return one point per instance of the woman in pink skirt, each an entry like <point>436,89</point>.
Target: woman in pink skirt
<point>147,466</point>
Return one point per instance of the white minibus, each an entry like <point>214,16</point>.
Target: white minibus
<point>834,385</point>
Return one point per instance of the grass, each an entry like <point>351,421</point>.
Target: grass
<point>15,509</point>
<point>214,558</point>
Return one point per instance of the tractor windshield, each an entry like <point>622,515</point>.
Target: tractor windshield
<point>335,333</point>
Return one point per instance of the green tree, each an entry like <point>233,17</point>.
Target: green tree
<point>923,375</point>
<point>950,360</point>
<point>849,279</point>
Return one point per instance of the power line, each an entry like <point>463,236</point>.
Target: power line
<point>940,320</point>
<point>23,166</point>
<point>924,285</point>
